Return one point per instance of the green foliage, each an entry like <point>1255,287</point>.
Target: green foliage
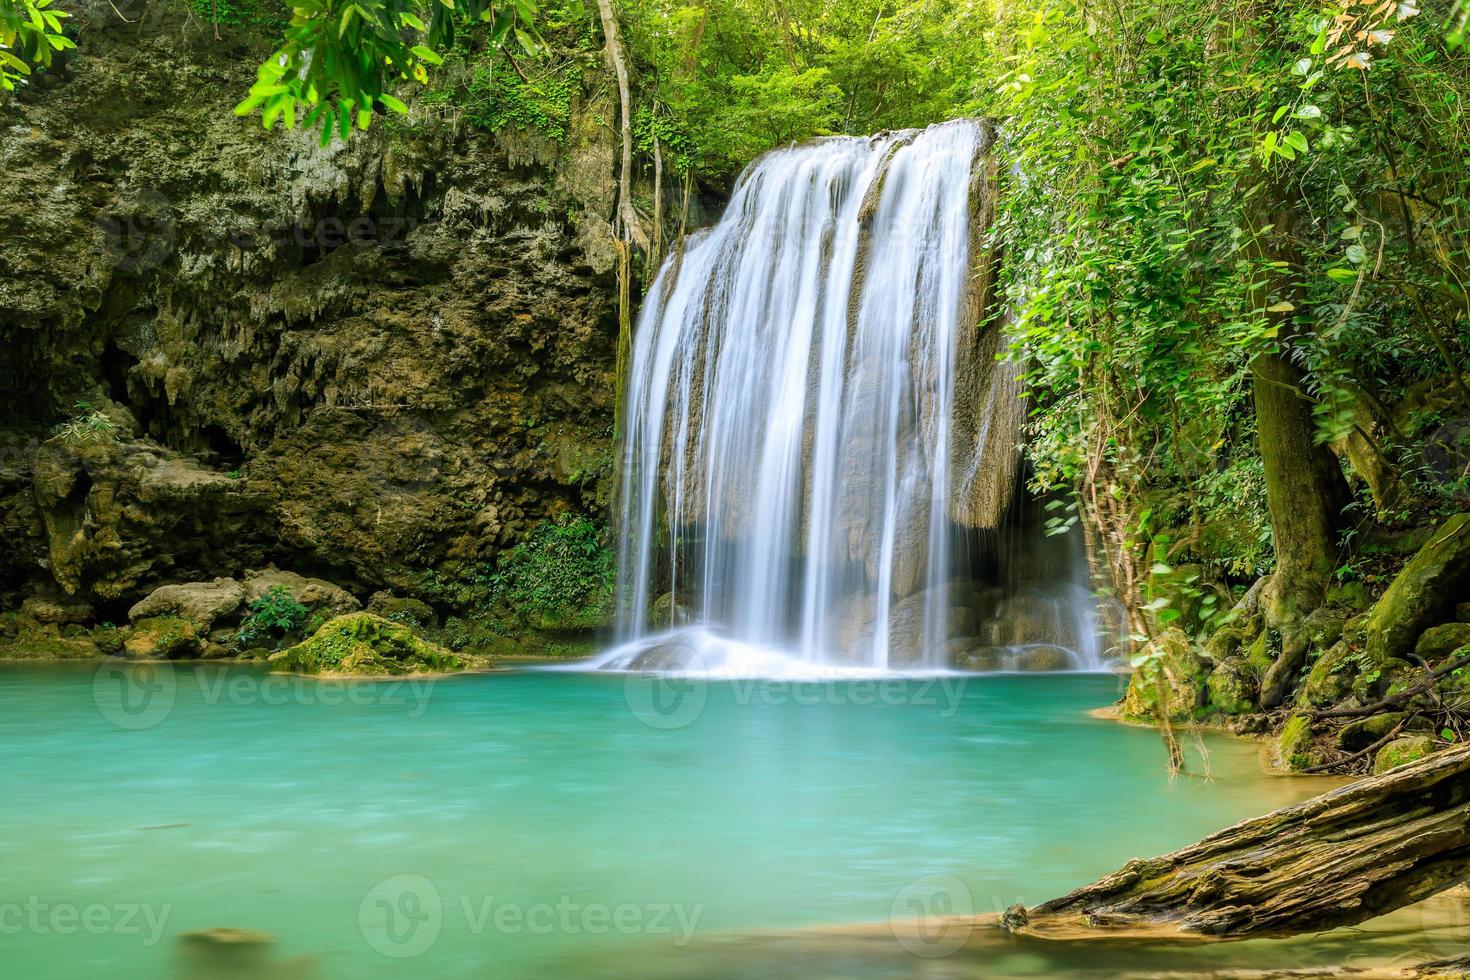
<point>339,57</point>
<point>559,577</point>
<point>490,88</point>
<point>267,14</point>
<point>89,425</point>
<point>31,32</point>
<point>271,617</point>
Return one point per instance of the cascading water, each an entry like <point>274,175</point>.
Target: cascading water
<point>819,431</point>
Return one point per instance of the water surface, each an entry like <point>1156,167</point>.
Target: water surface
<point>529,823</point>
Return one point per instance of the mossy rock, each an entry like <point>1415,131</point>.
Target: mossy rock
<point>1170,682</point>
<point>1424,593</point>
<point>410,612</point>
<point>1324,627</point>
<point>368,645</point>
<point>163,638</point>
<point>1377,679</point>
<point>1439,642</point>
<point>43,646</point>
<point>1260,654</point>
<point>1295,746</point>
<point>1349,595</point>
<point>1330,681</point>
<point>1357,735</point>
<point>1226,642</point>
<point>1232,688</point>
<point>1402,751</point>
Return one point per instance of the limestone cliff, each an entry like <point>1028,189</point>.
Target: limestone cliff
<point>364,361</point>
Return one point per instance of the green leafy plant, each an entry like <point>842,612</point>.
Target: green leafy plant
<point>89,425</point>
<point>30,35</point>
<point>271,617</point>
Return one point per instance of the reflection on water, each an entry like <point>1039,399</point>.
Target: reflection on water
<point>544,823</point>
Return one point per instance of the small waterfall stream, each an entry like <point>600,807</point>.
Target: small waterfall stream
<point>819,435</point>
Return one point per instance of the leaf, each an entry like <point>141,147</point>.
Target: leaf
<point>1340,274</point>
<point>393,103</point>
<point>426,54</point>
<point>1282,307</point>
<point>1297,141</point>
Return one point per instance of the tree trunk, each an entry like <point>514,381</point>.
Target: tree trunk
<point>1304,489</point>
<point>1358,852</point>
<point>627,218</point>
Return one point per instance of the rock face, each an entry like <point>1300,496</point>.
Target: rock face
<point>201,603</point>
<point>364,360</point>
<point>1424,593</point>
<point>361,643</point>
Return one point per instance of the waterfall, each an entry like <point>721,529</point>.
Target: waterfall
<point>819,430</point>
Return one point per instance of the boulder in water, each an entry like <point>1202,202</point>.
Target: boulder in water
<point>1044,657</point>
<point>368,645</point>
<point>666,656</point>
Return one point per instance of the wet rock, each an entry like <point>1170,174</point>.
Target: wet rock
<point>1402,751</point>
<point>1232,687</point>
<point>368,645</point>
<point>163,638</point>
<point>414,393</point>
<point>1438,642</point>
<point>668,611</point>
<point>201,603</point>
<point>1423,593</point>
<point>979,658</point>
<point>1462,612</point>
<point>666,656</point>
<point>1044,658</point>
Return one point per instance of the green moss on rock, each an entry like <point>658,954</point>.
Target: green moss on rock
<point>163,638</point>
<point>362,643</point>
<point>1170,682</point>
<point>1294,746</point>
<point>1402,751</point>
<point>1232,687</point>
<point>1425,591</point>
<point>1439,642</point>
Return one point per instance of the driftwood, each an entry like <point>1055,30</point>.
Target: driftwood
<point>1336,860</point>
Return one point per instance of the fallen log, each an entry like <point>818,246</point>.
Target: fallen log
<point>1335,860</point>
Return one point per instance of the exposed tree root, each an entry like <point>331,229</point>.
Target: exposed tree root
<point>1336,860</point>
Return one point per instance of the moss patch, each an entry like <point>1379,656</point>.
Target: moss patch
<point>361,643</point>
